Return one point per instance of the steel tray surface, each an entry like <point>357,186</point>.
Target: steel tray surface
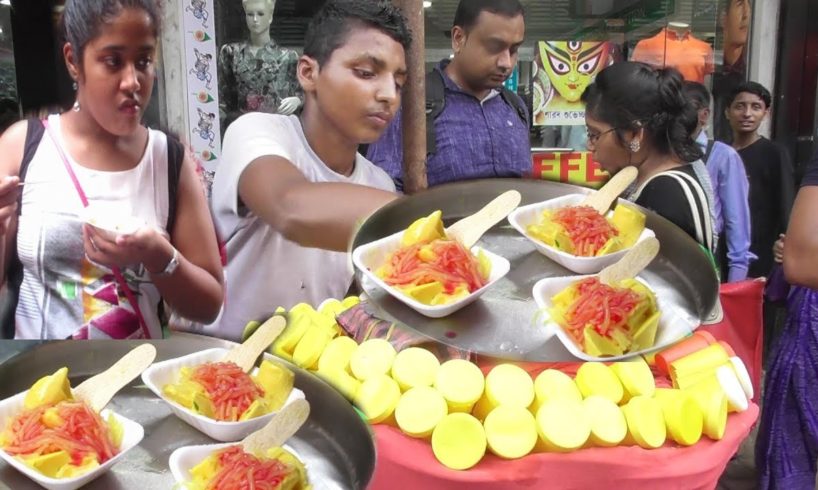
<point>335,441</point>
<point>501,323</point>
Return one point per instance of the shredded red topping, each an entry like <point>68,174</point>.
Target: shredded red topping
<point>229,388</point>
<point>452,266</point>
<point>602,306</point>
<point>588,230</point>
<point>82,432</point>
<point>239,470</point>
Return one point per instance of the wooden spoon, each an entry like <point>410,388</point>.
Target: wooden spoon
<point>469,229</point>
<point>245,355</point>
<point>636,259</point>
<point>284,424</point>
<point>98,390</point>
<point>602,199</point>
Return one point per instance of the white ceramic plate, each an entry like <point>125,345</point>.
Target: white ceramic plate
<point>162,373</point>
<point>672,324</point>
<point>132,434</point>
<point>185,458</point>
<point>368,258</point>
<point>524,216</point>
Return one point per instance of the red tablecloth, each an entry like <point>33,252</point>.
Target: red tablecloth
<point>406,463</point>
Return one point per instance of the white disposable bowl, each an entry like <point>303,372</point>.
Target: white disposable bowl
<point>672,325</point>
<point>185,458</point>
<point>109,222</point>
<point>368,258</point>
<point>524,216</point>
<point>132,434</point>
<point>166,372</point>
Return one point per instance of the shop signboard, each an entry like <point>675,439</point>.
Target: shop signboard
<point>578,168</point>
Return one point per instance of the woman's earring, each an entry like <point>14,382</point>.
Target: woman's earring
<point>634,145</point>
<point>74,85</point>
<point>76,107</point>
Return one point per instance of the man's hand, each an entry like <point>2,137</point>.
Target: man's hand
<point>778,249</point>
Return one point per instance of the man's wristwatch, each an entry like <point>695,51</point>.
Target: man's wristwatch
<point>171,267</point>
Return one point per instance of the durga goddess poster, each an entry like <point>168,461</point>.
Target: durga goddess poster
<point>562,71</point>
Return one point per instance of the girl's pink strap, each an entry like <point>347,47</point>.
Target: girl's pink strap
<point>120,279</point>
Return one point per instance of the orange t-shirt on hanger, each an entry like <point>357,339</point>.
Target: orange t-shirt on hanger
<point>692,57</point>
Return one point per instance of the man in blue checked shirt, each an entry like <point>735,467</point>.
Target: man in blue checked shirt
<point>731,192</point>
<point>482,131</point>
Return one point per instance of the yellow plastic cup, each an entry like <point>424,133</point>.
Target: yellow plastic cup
<point>646,422</point>
<point>724,379</point>
<point>704,360</point>
<point>683,417</point>
<point>511,431</point>
<point>377,397</point>
<point>595,378</point>
<point>461,383</point>
<point>372,358</point>
<point>608,425</point>
<point>415,367</point>
<point>419,411</point>
<point>459,441</point>
<point>636,378</point>
<point>743,376</point>
<point>562,425</point>
<point>551,384</point>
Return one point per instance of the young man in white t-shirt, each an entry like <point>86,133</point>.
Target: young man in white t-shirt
<point>290,190</point>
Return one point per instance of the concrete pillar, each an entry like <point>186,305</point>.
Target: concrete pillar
<point>764,51</point>
<point>173,100</point>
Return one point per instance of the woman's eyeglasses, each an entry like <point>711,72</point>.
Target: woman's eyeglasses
<point>593,137</point>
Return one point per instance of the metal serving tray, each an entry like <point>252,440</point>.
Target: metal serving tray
<point>335,441</point>
<point>501,323</point>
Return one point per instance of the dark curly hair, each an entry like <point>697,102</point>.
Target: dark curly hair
<point>632,96</point>
<point>329,28</point>
<point>82,20</point>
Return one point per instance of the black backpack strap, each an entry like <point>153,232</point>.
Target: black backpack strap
<point>14,271</point>
<point>516,102</point>
<point>435,102</point>
<point>709,150</point>
<point>176,158</point>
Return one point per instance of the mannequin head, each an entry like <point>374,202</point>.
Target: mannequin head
<point>572,65</point>
<point>109,51</point>
<point>259,15</point>
<point>736,22</point>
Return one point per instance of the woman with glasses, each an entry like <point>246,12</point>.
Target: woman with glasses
<point>638,116</point>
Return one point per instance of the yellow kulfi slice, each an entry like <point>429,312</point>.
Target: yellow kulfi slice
<point>713,405</point>
<point>551,384</point>
<point>459,441</point>
<point>342,381</point>
<point>415,367</point>
<point>337,354</point>
<point>511,431</point>
<point>636,378</point>
<point>608,425</point>
<point>562,425</point>
<point>311,346</point>
<point>646,422</point>
<point>461,383</point>
<point>373,357</point>
<point>595,378</point>
<point>509,384</point>
<point>377,397</point>
<point>683,417</point>
<point>419,410</point>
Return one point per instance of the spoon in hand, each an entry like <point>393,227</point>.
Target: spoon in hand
<point>602,199</point>
<point>98,390</point>
<point>469,229</point>
<point>245,355</point>
<point>632,263</point>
